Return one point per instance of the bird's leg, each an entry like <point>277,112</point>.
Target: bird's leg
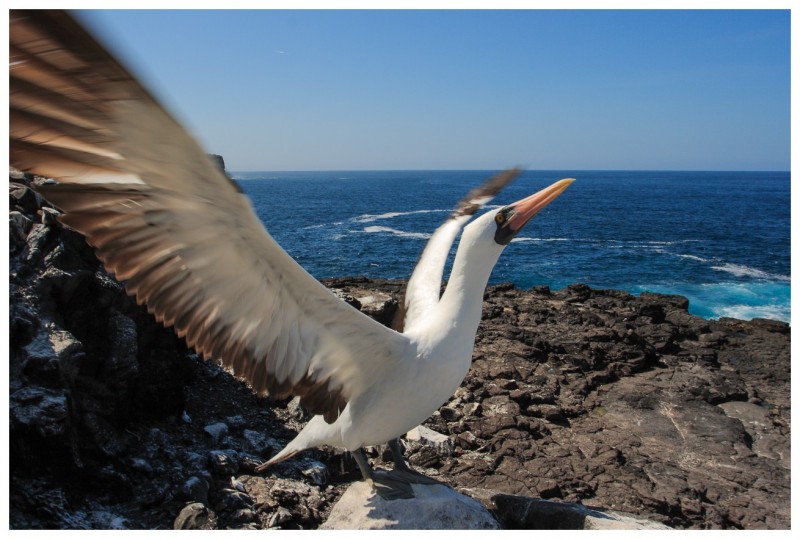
<point>394,484</point>
<point>363,465</point>
<point>397,455</point>
<point>381,481</point>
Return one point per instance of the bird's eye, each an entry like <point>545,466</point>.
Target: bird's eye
<point>500,218</point>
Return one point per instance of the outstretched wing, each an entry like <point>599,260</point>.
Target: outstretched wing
<point>424,285</point>
<point>164,219</point>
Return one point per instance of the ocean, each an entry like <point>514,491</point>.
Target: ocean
<point>722,239</point>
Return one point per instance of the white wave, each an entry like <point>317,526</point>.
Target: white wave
<point>670,242</point>
<point>740,270</point>
<point>401,233</point>
<point>641,243</point>
<point>323,225</point>
<point>371,218</point>
<point>657,246</point>
<point>540,239</point>
<point>693,257</point>
<point>748,312</point>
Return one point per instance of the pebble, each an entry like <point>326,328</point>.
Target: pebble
<point>238,485</point>
<point>442,443</point>
<point>224,462</point>
<point>141,465</point>
<point>450,414</point>
<point>280,516</point>
<point>217,431</point>
<point>195,516</point>
<point>256,442</point>
<point>196,489</point>
<point>317,473</point>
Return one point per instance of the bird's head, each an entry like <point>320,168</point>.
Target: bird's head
<point>512,218</point>
<point>498,227</point>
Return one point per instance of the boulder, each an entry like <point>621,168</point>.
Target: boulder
<point>434,507</point>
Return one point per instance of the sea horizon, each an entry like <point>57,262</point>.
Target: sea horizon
<point>234,173</point>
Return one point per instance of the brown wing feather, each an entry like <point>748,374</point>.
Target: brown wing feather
<point>166,220</point>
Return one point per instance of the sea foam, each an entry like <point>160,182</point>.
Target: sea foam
<point>745,301</point>
<point>523,239</point>
<point>401,233</point>
<point>740,270</point>
<point>371,218</point>
<point>748,312</point>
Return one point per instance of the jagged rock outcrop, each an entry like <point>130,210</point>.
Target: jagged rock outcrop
<point>592,397</point>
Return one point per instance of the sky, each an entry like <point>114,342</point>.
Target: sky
<point>469,89</point>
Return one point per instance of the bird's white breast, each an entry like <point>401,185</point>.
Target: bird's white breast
<point>416,388</point>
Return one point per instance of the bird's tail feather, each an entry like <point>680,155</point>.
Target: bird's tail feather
<point>286,453</point>
<point>316,432</point>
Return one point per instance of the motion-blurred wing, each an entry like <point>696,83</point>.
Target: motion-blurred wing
<point>164,219</point>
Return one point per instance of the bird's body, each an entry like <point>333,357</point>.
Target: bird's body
<point>187,244</point>
<point>427,372</point>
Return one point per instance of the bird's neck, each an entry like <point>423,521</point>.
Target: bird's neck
<point>462,302</point>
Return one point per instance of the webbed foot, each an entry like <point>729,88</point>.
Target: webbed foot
<point>392,484</point>
<point>395,484</point>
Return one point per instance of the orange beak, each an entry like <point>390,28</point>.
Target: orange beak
<point>526,208</point>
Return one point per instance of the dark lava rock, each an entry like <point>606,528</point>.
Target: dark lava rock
<point>593,397</point>
<point>196,516</point>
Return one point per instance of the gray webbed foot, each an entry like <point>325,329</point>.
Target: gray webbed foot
<point>392,484</point>
<point>395,484</point>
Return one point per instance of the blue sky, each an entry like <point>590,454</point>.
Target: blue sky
<point>349,90</point>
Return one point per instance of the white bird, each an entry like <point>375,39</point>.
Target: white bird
<point>185,241</point>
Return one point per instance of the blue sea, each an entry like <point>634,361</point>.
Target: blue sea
<point>719,238</point>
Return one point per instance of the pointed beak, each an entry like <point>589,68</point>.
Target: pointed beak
<point>526,208</point>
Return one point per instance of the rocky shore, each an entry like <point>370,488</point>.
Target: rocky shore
<point>593,397</point>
